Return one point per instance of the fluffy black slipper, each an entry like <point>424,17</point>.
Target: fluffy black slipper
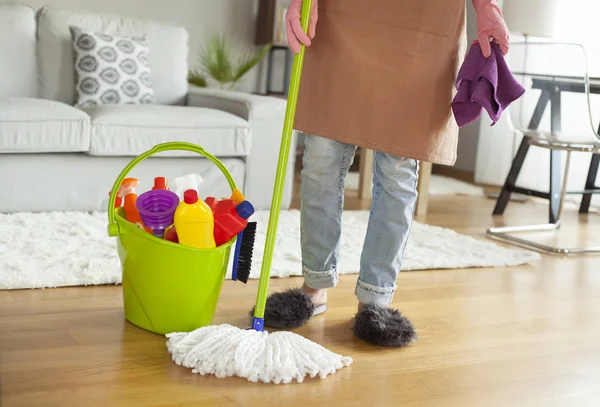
<point>288,309</point>
<point>383,327</point>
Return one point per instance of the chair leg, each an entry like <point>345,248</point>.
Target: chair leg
<point>503,233</point>
<point>511,179</point>
<point>555,158</point>
<point>590,184</point>
<point>555,178</point>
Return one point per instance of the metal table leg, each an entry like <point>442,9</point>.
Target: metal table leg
<point>511,179</point>
<point>590,184</point>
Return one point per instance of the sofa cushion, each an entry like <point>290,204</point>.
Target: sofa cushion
<point>42,126</point>
<point>111,69</point>
<point>168,51</point>
<point>18,69</point>
<point>129,130</point>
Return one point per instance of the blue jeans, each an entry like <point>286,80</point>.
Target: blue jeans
<point>325,167</point>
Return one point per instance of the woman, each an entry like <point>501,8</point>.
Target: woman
<point>380,75</point>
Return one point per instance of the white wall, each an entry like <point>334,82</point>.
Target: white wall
<point>469,135</point>
<point>234,18</point>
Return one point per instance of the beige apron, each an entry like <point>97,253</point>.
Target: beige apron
<point>380,74</point>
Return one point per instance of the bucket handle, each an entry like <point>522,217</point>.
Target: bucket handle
<point>113,227</point>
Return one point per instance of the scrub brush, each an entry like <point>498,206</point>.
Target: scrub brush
<point>244,246</point>
<point>242,258</point>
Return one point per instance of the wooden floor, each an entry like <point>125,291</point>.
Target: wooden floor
<point>522,336</point>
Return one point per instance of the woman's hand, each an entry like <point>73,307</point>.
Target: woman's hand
<point>490,24</point>
<point>295,34</point>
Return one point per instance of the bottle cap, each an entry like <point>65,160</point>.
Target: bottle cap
<point>190,196</point>
<point>245,210</point>
<point>160,183</point>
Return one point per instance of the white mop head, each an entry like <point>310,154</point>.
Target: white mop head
<point>279,357</point>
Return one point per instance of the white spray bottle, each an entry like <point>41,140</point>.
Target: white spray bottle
<point>185,182</point>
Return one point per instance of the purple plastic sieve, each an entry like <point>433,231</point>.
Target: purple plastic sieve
<point>157,208</point>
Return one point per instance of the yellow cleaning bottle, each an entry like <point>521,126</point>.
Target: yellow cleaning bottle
<point>194,222</point>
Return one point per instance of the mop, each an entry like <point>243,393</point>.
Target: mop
<point>254,354</point>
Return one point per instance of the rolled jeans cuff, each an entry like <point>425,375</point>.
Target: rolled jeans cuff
<point>370,294</point>
<point>320,280</point>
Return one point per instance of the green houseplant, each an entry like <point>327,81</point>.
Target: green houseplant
<point>217,62</point>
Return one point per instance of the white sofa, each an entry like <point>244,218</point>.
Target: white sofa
<point>55,157</point>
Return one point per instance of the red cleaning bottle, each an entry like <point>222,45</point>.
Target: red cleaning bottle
<point>131,212</point>
<point>128,185</point>
<point>171,234</point>
<point>160,183</point>
<point>230,219</point>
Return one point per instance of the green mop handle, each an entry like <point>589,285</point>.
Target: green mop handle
<point>284,151</point>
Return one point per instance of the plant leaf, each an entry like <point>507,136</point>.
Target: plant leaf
<point>249,61</point>
<point>197,78</point>
<point>216,60</point>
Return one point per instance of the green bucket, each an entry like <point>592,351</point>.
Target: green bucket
<point>167,287</point>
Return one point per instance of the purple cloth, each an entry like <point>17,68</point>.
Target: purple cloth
<point>484,83</point>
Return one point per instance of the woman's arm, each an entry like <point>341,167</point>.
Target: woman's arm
<point>490,24</point>
<point>295,34</point>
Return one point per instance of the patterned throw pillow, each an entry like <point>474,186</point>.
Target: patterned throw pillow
<point>110,69</point>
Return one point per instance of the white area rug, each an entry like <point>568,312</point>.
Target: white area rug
<point>68,249</point>
<point>441,185</point>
